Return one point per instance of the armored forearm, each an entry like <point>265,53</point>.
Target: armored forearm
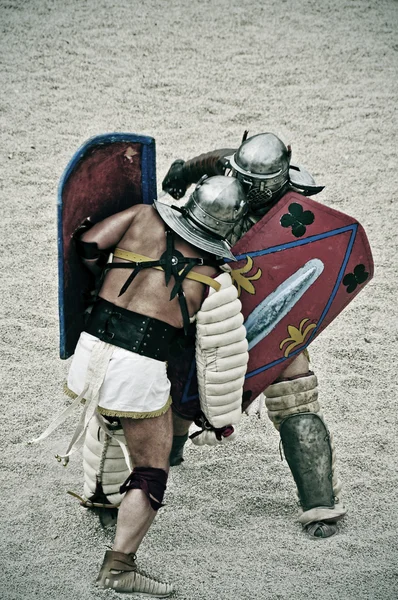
<point>182,174</point>
<point>210,163</point>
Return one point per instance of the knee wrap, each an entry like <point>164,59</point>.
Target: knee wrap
<point>292,396</point>
<point>151,481</point>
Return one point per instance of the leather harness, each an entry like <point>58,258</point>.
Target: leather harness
<point>173,263</point>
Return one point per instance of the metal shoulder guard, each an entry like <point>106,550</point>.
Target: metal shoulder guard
<point>302,181</point>
<point>182,174</point>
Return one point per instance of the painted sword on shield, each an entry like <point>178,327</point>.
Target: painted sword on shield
<point>265,317</point>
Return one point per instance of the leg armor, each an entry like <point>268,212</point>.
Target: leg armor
<point>177,450</point>
<point>104,465</point>
<point>151,481</point>
<point>294,409</point>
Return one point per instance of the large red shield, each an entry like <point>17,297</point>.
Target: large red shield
<point>296,270</point>
<point>108,174</point>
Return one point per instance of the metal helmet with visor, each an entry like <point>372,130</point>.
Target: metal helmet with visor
<point>261,164</point>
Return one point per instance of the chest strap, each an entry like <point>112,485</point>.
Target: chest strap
<point>173,263</point>
<point>137,258</point>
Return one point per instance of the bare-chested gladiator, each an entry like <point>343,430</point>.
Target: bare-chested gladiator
<point>161,264</point>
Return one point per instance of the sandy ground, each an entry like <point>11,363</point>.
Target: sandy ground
<point>194,75</point>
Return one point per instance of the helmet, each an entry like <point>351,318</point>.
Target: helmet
<point>210,214</point>
<point>261,163</point>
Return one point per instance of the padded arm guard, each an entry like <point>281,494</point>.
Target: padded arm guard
<point>221,354</point>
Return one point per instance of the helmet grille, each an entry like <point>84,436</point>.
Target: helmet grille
<point>258,197</point>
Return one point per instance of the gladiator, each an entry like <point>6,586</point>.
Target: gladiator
<point>157,267</point>
<point>263,165</point>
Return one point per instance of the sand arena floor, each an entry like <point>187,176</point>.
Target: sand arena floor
<point>194,75</point>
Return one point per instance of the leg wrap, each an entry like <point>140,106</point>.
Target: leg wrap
<point>294,409</point>
<point>293,396</point>
<point>104,462</point>
<point>151,481</point>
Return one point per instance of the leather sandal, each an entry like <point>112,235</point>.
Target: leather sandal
<point>119,572</point>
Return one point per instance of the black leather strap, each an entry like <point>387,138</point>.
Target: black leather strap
<point>174,264</point>
<point>130,330</point>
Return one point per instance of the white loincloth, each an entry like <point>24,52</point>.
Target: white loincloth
<point>132,386</point>
<point>114,382</point>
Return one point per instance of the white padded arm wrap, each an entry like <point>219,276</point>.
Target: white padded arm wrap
<point>221,354</point>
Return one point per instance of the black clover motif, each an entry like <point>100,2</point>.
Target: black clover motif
<point>352,280</point>
<point>297,219</point>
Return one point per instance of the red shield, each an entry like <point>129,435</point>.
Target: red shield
<point>107,174</point>
<point>296,270</point>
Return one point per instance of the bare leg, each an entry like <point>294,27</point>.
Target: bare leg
<point>149,442</point>
<point>299,366</point>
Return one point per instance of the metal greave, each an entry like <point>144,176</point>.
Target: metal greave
<point>308,452</point>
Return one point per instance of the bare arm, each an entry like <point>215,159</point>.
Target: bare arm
<point>106,234</point>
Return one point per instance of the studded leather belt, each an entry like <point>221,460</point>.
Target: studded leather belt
<point>130,330</point>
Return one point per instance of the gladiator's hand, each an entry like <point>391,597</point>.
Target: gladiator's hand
<point>85,249</point>
<point>82,228</point>
<point>212,436</point>
<point>174,183</point>
<point>89,251</point>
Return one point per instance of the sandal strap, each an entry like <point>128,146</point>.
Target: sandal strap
<point>119,561</point>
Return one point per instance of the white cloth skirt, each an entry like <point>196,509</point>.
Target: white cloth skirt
<point>133,385</point>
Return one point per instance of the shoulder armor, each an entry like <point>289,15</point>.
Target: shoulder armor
<point>302,181</point>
